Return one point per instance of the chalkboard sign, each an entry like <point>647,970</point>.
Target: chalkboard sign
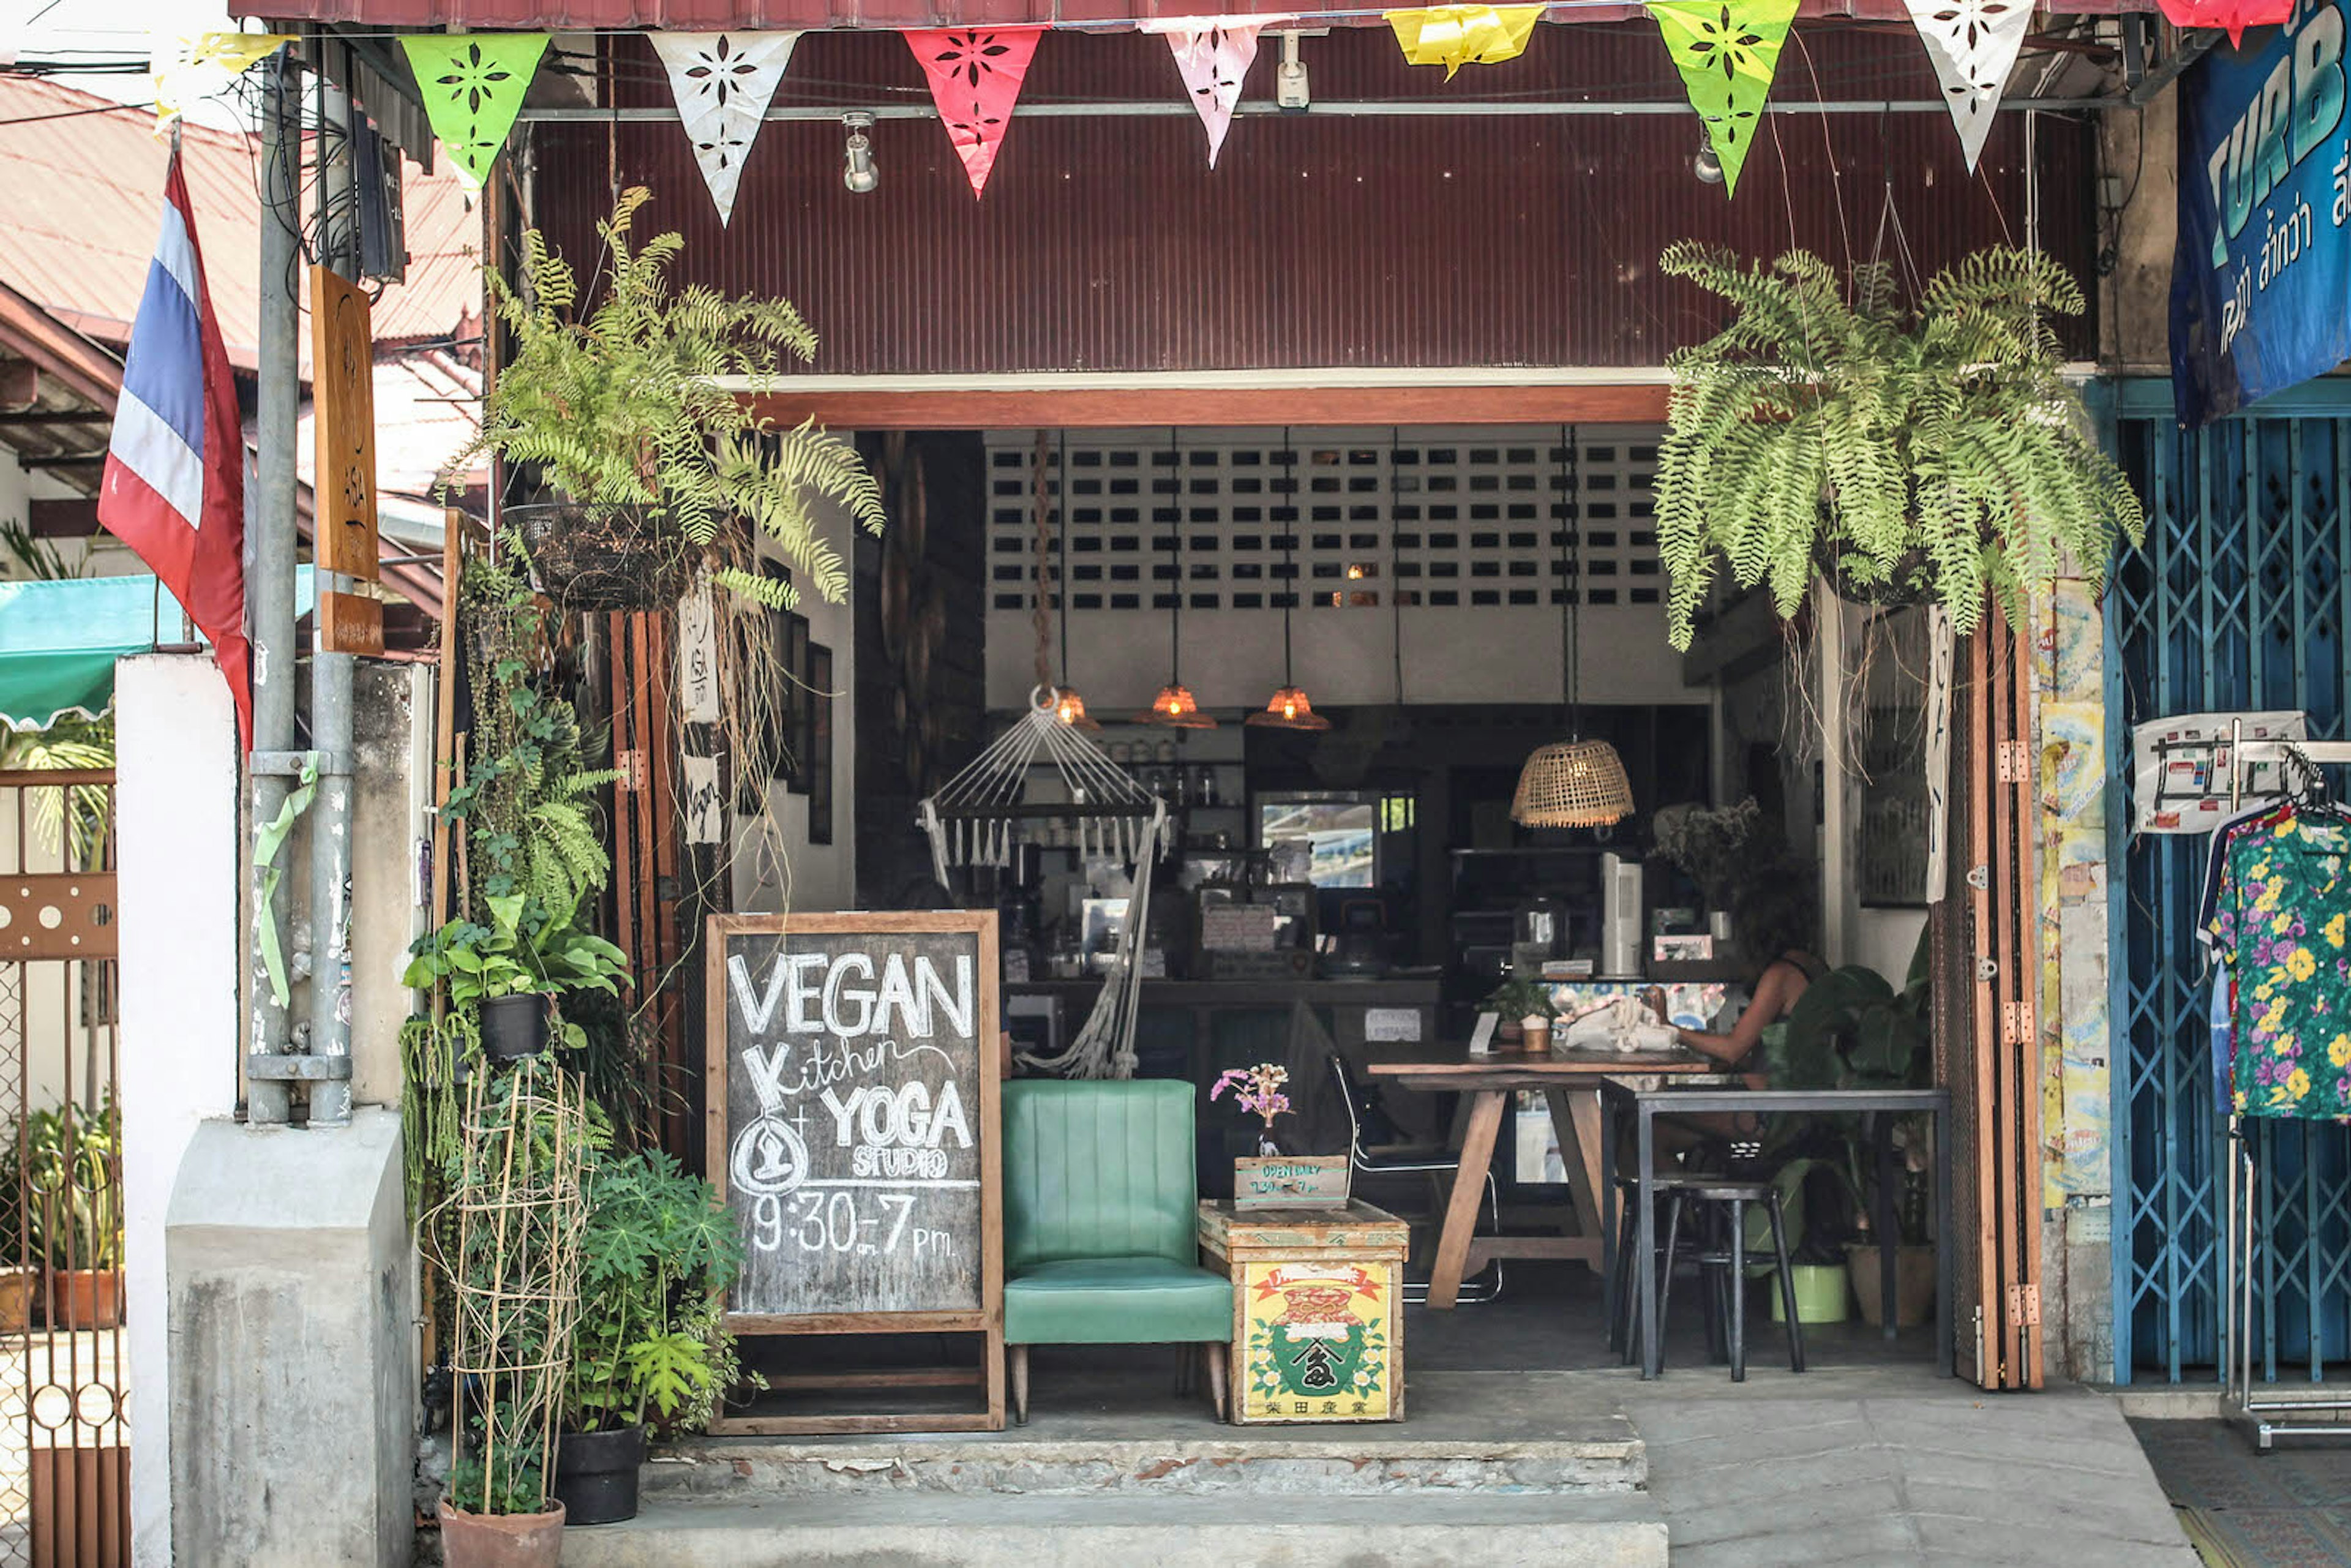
<point>852,1111</point>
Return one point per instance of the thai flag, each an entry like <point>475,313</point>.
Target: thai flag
<point>174,484</point>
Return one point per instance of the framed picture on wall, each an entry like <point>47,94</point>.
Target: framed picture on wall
<point>1891,827</point>
<point>799,706</point>
<point>819,747</point>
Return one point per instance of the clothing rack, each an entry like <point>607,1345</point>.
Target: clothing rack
<point>2268,1416</point>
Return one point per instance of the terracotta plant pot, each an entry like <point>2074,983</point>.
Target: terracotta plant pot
<point>501,1540</point>
<point>86,1298</point>
<point>1914,1283</point>
<point>18,1287</point>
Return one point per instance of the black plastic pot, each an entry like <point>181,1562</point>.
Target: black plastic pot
<point>596,1475</point>
<point>514,1027</point>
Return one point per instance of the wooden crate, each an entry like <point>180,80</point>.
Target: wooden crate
<point>1317,1318</point>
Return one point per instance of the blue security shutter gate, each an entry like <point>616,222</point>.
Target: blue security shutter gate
<point>2238,601</point>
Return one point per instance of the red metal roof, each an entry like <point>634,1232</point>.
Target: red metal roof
<point>688,16</point>
<point>81,180</point>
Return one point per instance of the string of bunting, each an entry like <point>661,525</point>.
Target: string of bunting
<point>1725,51</point>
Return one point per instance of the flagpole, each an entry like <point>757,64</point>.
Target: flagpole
<point>269,575</point>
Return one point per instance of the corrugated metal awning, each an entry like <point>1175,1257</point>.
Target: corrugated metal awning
<point>706,16</point>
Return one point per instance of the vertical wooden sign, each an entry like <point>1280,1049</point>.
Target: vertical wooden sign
<point>342,484</point>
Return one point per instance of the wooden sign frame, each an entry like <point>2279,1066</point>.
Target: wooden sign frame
<point>988,1319</point>
<point>343,492</point>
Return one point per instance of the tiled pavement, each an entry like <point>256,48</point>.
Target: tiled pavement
<point>1945,1477</point>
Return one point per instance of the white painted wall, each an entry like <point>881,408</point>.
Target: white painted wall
<point>176,806</point>
<point>776,868</point>
<point>106,554</point>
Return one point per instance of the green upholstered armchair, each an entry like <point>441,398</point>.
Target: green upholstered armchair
<point>1101,1225</point>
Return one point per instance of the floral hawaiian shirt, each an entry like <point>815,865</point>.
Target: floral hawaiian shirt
<point>2284,922</point>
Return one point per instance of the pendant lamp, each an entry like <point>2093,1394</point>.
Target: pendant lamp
<point>1290,708</point>
<point>1573,783</point>
<point>1176,707</point>
<point>1068,705</point>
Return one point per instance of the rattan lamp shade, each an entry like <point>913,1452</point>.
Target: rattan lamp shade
<point>1070,709</point>
<point>1290,709</point>
<point>1176,708</point>
<point>1572,784</point>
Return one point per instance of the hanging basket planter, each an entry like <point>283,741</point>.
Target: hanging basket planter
<point>601,558</point>
<point>1910,582</point>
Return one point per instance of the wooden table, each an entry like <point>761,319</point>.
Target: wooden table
<point>1317,1335</point>
<point>1570,1084</point>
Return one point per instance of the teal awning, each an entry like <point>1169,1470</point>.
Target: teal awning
<point>59,641</point>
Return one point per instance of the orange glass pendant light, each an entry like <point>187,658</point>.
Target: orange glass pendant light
<point>1176,707</point>
<point>1289,708</point>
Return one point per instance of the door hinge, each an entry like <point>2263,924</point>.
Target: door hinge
<point>2015,762</point>
<point>631,765</point>
<point>2024,1306</point>
<point>2015,1023</point>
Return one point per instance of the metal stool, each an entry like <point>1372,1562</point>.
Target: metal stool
<point>1623,1317</point>
<point>1723,1200</point>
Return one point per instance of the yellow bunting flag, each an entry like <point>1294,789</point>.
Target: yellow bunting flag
<point>1726,51</point>
<point>1457,35</point>
<point>185,67</point>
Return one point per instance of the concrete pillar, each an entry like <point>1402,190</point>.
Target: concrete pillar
<point>271,1287</point>
<point>293,1383</point>
<point>176,917</point>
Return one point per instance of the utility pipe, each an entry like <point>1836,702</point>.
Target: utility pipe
<point>330,691</point>
<point>1347,108</point>
<point>269,575</point>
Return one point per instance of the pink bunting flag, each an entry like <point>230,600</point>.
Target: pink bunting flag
<point>974,74</point>
<point>2236,15</point>
<point>1213,61</point>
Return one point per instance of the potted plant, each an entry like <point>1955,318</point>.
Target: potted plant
<point>18,1274</point>
<point>1273,1180</point>
<point>1852,1029</point>
<point>1517,1002</point>
<point>511,971</point>
<point>1716,847</point>
<point>77,1213</point>
<point>656,1248</point>
<point>516,1186</point>
<point>1928,452</point>
<point>633,413</point>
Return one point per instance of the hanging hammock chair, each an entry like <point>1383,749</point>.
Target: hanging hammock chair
<point>1006,797</point>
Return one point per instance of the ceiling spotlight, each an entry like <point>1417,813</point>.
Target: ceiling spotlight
<point>1706,165</point>
<point>857,170</point>
<point>1290,93</point>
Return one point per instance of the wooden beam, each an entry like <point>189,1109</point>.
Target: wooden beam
<point>74,519</point>
<point>64,460</point>
<point>1118,407</point>
<point>43,417</point>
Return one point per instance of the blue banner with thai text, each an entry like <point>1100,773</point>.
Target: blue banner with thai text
<point>2261,284</point>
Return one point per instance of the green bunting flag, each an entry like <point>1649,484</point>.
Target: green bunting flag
<point>473,84</point>
<point>1726,51</point>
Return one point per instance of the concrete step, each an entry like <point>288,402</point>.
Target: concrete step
<point>1611,1529</point>
<point>1592,1454</point>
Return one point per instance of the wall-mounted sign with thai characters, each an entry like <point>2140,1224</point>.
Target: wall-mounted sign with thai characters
<point>2260,283</point>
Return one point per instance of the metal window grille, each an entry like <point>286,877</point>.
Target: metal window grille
<point>2238,601</point>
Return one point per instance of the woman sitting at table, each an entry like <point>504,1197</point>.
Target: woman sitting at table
<point>1772,919</point>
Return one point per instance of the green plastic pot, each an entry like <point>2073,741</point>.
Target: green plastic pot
<point>1823,1294</point>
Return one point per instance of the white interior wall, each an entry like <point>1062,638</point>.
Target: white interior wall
<point>776,867</point>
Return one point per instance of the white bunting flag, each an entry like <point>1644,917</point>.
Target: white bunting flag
<point>1213,61</point>
<point>723,83</point>
<point>1972,44</point>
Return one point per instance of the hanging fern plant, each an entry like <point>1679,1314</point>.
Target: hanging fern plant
<point>1933,451</point>
<point>622,411</point>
